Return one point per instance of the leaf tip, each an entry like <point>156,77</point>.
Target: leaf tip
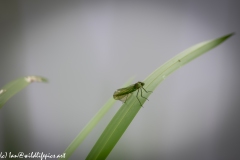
<point>230,35</point>
<point>31,79</point>
<point>2,91</point>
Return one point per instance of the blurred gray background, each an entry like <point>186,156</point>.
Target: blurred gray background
<point>87,50</point>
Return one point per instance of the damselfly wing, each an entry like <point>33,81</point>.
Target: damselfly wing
<point>123,94</point>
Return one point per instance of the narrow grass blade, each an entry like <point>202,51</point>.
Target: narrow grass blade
<point>91,124</point>
<point>17,85</point>
<point>127,112</point>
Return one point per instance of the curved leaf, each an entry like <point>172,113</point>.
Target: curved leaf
<point>127,112</point>
<point>17,85</point>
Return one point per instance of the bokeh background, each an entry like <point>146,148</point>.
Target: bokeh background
<point>88,49</point>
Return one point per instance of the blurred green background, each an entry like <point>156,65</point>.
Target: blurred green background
<point>87,50</point>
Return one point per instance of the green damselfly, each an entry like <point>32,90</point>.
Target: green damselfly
<point>123,94</point>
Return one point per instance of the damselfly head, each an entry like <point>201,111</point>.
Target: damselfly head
<point>138,85</point>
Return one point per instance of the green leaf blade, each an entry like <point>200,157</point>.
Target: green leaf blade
<point>181,59</point>
<point>115,129</point>
<point>17,85</point>
<point>91,124</point>
<point>127,112</point>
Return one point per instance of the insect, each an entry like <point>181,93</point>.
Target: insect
<point>123,94</point>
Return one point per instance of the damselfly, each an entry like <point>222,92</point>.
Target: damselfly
<point>123,94</point>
